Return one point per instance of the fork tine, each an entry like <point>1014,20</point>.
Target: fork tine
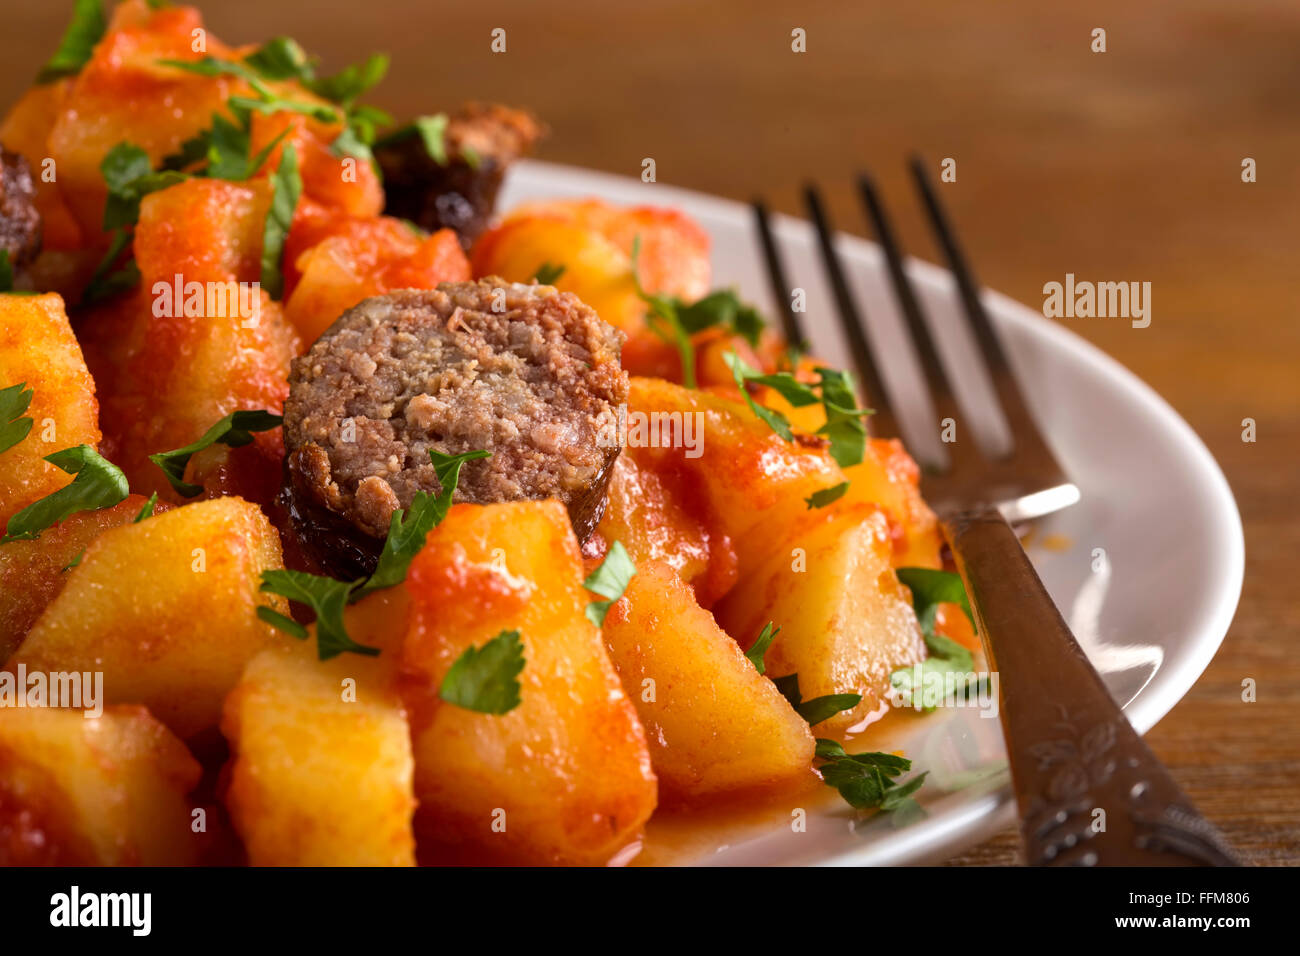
<point>790,326</point>
<point>883,422</point>
<point>1024,431</point>
<point>941,392</point>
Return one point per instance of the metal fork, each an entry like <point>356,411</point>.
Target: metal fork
<point>1071,750</point>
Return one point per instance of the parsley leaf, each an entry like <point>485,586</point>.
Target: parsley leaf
<point>235,430</point>
<point>447,470</point>
<point>820,499</point>
<point>78,44</point>
<point>282,622</point>
<point>844,426</point>
<point>834,390</point>
<point>282,58</point>
<point>866,780</point>
<point>819,708</point>
<point>485,678</point>
<point>14,426</point>
<point>930,588</point>
<point>408,529</point>
<point>349,84</point>
<point>98,484</point>
<point>327,598</point>
<point>675,320</point>
<point>106,281</point>
<point>287,185</point>
<point>6,272</point>
<point>609,580</point>
<point>548,273</point>
<point>742,372</point>
<point>146,510</point>
<point>758,651</point>
<point>432,131</point>
<point>721,308</point>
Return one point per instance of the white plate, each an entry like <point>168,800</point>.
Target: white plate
<point>1154,500</point>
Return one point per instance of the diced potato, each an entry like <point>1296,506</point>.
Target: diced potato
<point>565,776</point>
<point>109,791</point>
<point>117,95</point>
<point>593,240</point>
<point>321,766</point>
<point>715,725</point>
<point>32,571</point>
<point>202,229</point>
<point>166,374</point>
<point>166,609</point>
<point>339,261</point>
<point>846,621</point>
<point>752,482</point>
<point>348,186</point>
<point>888,477</point>
<point>37,347</point>
<point>657,516</point>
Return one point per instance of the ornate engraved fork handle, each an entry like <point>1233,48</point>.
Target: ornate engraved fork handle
<point>1090,792</point>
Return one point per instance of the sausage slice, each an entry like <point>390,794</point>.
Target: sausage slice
<point>524,371</point>
<point>460,194</point>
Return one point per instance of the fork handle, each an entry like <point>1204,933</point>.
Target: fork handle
<point>1090,792</point>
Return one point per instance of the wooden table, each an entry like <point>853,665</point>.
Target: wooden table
<point>1124,165</point>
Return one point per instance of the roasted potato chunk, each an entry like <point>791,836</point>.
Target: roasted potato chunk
<point>592,240</point>
<point>104,792</point>
<point>166,609</point>
<point>658,516</point>
<point>168,368</point>
<point>338,262</point>
<point>33,572</point>
<point>846,621</point>
<point>37,347</point>
<point>715,725</point>
<point>565,776</point>
<point>321,766</point>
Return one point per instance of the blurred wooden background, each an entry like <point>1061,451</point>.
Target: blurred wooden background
<point>1123,165</point>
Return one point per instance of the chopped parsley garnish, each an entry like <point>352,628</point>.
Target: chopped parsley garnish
<point>146,510</point>
<point>867,781</point>
<point>758,651</point>
<point>282,58</point>
<point>408,530</point>
<point>235,430</point>
<point>78,44</point>
<point>98,484</point>
<point>609,580</point>
<point>834,392</point>
<point>287,186</point>
<point>548,273</point>
<point>351,83</point>
<point>432,131</point>
<point>930,588</point>
<point>327,598</point>
<point>129,176</point>
<point>486,679</point>
<point>675,320</point>
<point>820,499</point>
<point>106,281</point>
<point>819,708</point>
<point>14,425</point>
